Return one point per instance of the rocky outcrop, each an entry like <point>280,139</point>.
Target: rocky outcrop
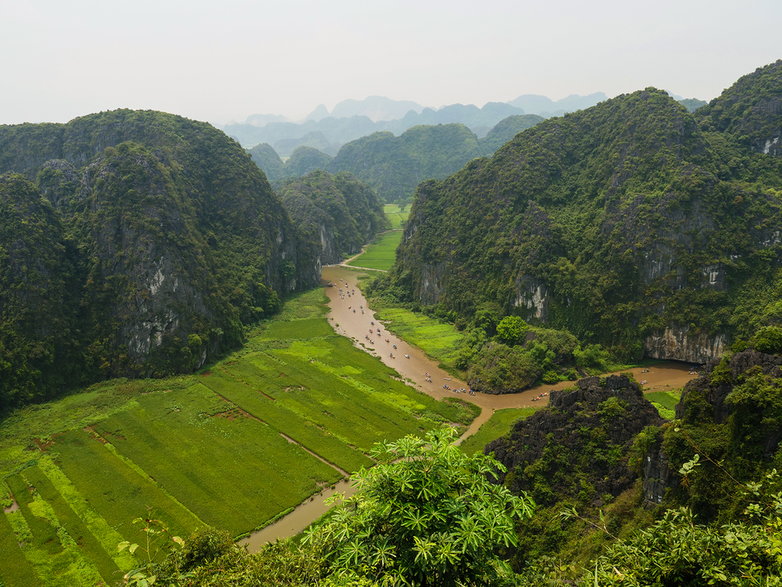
<point>179,239</point>
<point>336,214</point>
<point>579,441</point>
<point>727,416</point>
<point>677,343</point>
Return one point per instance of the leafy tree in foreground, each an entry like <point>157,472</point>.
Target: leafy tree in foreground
<point>679,551</point>
<point>427,514</point>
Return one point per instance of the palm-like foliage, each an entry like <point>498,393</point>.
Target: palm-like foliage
<point>426,515</point>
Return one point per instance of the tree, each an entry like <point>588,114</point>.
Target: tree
<point>427,514</point>
<point>510,329</point>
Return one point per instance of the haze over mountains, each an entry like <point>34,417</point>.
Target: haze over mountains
<point>351,119</point>
<point>395,165</point>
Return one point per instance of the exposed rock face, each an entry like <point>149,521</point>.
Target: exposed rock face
<point>676,343</point>
<point>584,434</point>
<point>724,419</point>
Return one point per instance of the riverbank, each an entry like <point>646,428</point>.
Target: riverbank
<point>350,316</point>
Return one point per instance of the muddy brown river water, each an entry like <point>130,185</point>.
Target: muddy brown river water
<point>350,317</point>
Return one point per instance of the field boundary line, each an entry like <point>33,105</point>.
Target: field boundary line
<point>280,432</point>
<point>109,446</point>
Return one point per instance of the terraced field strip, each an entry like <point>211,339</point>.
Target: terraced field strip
<point>46,545</point>
<point>74,526</point>
<point>15,569</point>
<point>118,490</point>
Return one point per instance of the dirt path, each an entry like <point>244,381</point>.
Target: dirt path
<point>364,250</point>
<point>350,317</point>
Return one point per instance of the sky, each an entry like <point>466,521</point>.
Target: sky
<point>222,61</point>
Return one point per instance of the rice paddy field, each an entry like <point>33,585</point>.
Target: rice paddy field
<point>665,402</point>
<point>381,254</point>
<point>234,447</point>
<point>396,214</point>
<point>440,340</point>
<point>500,423</point>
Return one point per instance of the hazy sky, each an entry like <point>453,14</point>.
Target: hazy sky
<point>222,61</point>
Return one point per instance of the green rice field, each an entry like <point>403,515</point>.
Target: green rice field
<point>439,340</point>
<point>665,402</point>
<point>233,447</point>
<point>396,215</point>
<point>500,423</point>
<point>381,254</point>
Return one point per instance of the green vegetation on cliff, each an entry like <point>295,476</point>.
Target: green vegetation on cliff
<point>629,224</point>
<point>268,160</point>
<point>395,165</point>
<point>305,160</point>
<point>750,110</point>
<point>163,241</point>
<point>39,339</point>
<point>336,214</point>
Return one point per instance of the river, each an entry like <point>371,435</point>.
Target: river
<point>350,316</point>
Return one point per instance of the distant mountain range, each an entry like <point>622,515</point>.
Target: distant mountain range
<point>352,119</point>
<point>395,165</point>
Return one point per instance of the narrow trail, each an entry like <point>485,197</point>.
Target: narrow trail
<point>364,250</point>
<point>349,316</point>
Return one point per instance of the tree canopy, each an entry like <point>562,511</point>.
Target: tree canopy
<point>426,515</point>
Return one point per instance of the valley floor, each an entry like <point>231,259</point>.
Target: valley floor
<point>254,437</point>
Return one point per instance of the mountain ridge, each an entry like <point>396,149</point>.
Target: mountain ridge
<point>623,223</point>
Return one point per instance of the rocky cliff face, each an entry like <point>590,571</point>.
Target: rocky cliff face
<point>731,418</point>
<point>675,342</point>
<point>580,441</point>
<point>180,239</point>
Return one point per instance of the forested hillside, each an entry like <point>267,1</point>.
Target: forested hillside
<point>395,165</point>
<point>156,240</point>
<point>633,223</point>
<point>336,214</point>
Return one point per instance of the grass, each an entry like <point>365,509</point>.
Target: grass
<point>381,254</point>
<point>14,567</point>
<point>209,448</point>
<point>395,215</point>
<point>500,423</point>
<point>439,340</point>
<point>665,402</point>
